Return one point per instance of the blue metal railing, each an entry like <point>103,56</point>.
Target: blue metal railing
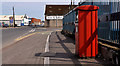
<point>109,23</point>
<point>109,28</point>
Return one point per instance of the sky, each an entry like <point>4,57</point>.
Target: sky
<point>32,9</point>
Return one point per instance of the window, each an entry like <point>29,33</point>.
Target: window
<point>50,6</point>
<point>50,11</point>
<point>59,9</point>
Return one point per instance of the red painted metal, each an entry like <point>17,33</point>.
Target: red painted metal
<point>87,31</point>
<point>35,20</point>
<point>87,8</point>
<point>76,39</point>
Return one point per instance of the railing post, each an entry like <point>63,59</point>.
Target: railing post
<point>119,33</point>
<point>119,46</point>
<point>119,57</point>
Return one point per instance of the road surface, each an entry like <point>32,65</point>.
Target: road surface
<point>9,35</point>
<point>26,44</point>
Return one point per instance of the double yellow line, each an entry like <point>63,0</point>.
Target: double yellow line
<point>18,39</point>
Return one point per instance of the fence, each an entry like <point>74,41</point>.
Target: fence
<point>109,24</point>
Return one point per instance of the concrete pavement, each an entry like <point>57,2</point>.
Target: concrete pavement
<point>63,48</point>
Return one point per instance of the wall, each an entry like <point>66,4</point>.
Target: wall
<point>26,22</point>
<point>18,22</point>
<point>54,23</point>
<point>46,23</point>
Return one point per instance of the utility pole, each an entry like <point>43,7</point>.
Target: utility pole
<point>119,38</point>
<point>56,20</point>
<point>71,2</point>
<point>13,17</point>
<point>92,2</point>
<point>119,34</point>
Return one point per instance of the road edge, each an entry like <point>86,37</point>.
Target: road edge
<point>47,59</point>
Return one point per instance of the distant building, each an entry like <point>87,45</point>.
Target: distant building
<point>29,20</point>
<point>42,23</point>
<point>25,20</point>
<point>8,19</point>
<point>54,14</point>
<point>35,21</point>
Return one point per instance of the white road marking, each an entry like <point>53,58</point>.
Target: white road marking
<point>32,30</point>
<point>43,33</point>
<point>47,59</point>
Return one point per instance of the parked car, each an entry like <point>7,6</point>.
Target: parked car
<point>6,25</point>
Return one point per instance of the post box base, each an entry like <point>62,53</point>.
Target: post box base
<point>87,57</point>
<point>84,57</point>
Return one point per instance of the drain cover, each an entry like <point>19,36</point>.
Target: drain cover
<point>46,54</point>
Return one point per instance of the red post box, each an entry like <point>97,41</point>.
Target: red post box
<point>87,35</point>
<point>76,39</point>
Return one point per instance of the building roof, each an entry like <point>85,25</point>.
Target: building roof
<point>6,17</point>
<point>58,9</point>
<point>35,20</point>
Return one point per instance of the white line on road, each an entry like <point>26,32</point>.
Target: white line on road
<point>32,30</point>
<point>47,59</point>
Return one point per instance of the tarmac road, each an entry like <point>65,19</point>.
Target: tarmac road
<point>9,35</point>
<point>25,51</point>
<point>26,47</point>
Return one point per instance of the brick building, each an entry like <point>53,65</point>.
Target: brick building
<point>54,14</point>
<point>35,21</point>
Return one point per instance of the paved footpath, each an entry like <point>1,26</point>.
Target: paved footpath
<point>64,49</point>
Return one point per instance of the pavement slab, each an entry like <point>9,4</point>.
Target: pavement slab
<point>64,47</point>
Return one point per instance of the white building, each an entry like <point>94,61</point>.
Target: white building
<point>6,19</point>
<point>25,20</point>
